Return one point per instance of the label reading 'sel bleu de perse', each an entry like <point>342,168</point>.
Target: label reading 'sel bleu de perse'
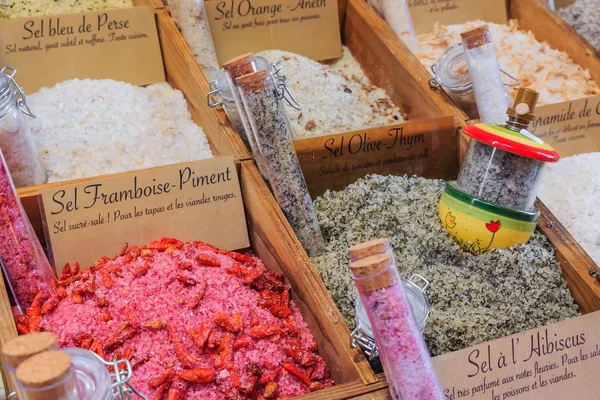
<point>243,26</point>
<point>116,44</point>
<point>188,201</point>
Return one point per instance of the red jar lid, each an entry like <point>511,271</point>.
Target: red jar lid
<point>522,143</point>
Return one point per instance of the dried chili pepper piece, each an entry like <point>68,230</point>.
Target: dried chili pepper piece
<point>297,372</point>
<point>177,390</point>
<point>186,280</point>
<point>105,316</point>
<point>242,342</point>
<point>200,335</point>
<point>197,375</point>
<point>163,244</point>
<point>264,330</point>
<point>207,261</point>
<point>50,304</point>
<point>184,358</point>
<point>270,390</point>
<point>154,324</point>
<point>197,297</point>
<point>163,378</point>
<point>232,323</point>
<point>253,274</point>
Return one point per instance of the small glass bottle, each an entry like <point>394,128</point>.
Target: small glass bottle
<point>21,256</point>
<point>484,71</point>
<point>404,355</point>
<point>47,376</point>
<point>504,163</point>
<point>272,131</point>
<point>15,141</point>
<point>397,15</point>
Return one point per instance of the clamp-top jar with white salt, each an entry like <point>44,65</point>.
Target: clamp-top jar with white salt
<point>491,205</point>
<point>469,73</point>
<point>15,141</point>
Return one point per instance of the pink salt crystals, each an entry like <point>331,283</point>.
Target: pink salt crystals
<point>26,264</point>
<point>404,356</point>
<point>195,322</point>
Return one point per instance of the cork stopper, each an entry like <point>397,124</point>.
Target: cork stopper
<point>23,347</point>
<point>240,65</point>
<point>370,248</point>
<point>374,272</point>
<point>476,37</point>
<point>46,372</point>
<point>523,109</point>
<point>254,82</point>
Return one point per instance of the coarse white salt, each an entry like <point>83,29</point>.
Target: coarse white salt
<point>550,72</point>
<point>334,98</point>
<point>190,16</point>
<point>91,127</point>
<point>571,189</point>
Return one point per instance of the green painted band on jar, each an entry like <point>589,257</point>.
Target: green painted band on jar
<point>523,216</point>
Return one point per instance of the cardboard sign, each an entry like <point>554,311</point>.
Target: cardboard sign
<point>426,148</point>
<point>244,26</point>
<point>571,127</point>
<point>192,201</point>
<point>117,44</point>
<point>561,361</point>
<point>425,13</point>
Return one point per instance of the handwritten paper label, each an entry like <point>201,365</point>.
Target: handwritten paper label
<point>116,44</point>
<point>244,26</point>
<point>571,127</point>
<point>193,201</point>
<point>426,148</point>
<point>557,362</point>
<point>425,13</point>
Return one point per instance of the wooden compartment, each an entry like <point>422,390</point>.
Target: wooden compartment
<point>383,59</point>
<point>274,242</point>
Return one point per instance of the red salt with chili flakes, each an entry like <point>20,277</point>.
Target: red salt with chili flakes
<point>243,338</point>
<point>26,264</point>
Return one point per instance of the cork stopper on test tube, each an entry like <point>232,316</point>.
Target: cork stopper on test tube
<point>476,37</point>
<point>23,347</point>
<point>374,272</point>
<point>240,65</point>
<point>370,248</point>
<point>254,82</point>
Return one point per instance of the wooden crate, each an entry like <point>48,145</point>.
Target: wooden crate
<point>274,242</point>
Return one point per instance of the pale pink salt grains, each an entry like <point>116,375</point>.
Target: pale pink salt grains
<point>158,294</point>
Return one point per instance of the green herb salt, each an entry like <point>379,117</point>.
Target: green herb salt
<point>473,298</point>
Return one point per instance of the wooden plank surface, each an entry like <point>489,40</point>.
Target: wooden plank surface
<point>574,261</point>
<point>536,16</point>
<point>184,73</point>
<point>390,65</point>
<point>349,390</point>
<point>270,233</point>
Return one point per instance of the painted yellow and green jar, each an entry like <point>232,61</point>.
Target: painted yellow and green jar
<point>479,226</point>
<point>491,204</point>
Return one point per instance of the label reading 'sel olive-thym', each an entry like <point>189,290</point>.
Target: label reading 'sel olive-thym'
<point>115,44</point>
<point>244,26</point>
<point>190,201</point>
<point>556,362</point>
<point>427,147</point>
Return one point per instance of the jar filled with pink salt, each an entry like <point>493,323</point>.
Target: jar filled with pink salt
<point>404,355</point>
<point>22,258</point>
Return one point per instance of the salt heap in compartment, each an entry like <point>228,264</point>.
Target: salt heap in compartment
<point>583,16</point>
<point>37,8</point>
<point>473,298</point>
<point>334,98</point>
<point>88,127</point>
<point>571,189</point>
<point>192,319</point>
<point>550,72</point>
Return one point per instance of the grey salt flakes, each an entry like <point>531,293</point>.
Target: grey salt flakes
<point>474,298</point>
